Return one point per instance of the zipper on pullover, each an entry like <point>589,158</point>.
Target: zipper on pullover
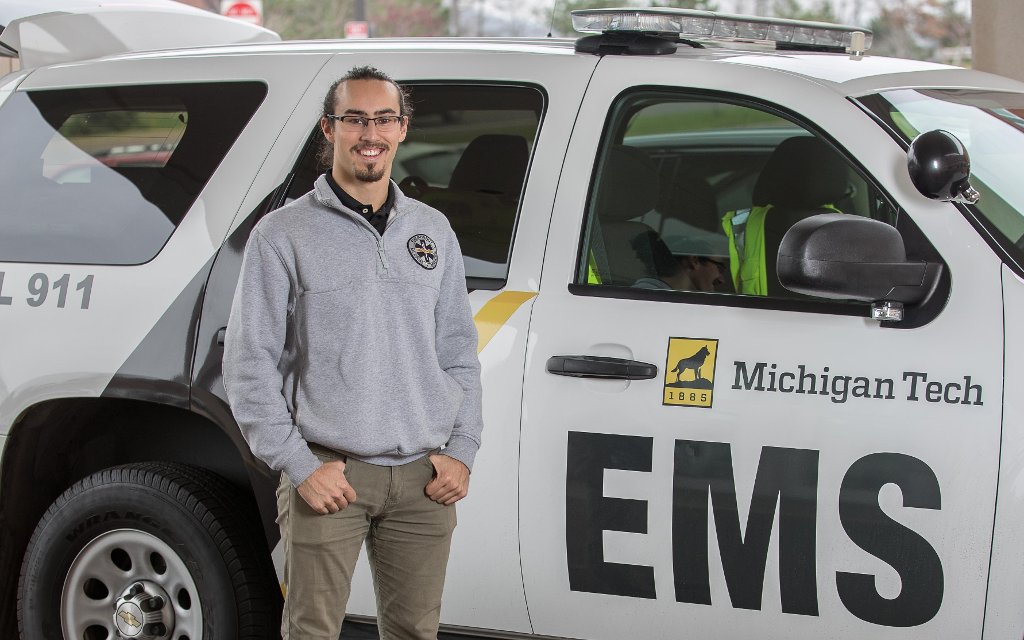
<point>392,216</point>
<point>379,238</point>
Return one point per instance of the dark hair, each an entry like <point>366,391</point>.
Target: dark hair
<point>367,73</point>
<point>649,247</point>
<point>325,157</point>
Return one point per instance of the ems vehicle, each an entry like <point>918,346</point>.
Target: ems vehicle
<point>745,296</point>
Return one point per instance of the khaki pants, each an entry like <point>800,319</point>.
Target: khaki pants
<point>407,537</point>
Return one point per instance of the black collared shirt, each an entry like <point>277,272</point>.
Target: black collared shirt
<point>378,219</point>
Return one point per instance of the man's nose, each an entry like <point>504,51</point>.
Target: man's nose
<point>370,131</point>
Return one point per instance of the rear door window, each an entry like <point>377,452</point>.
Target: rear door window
<point>105,175</point>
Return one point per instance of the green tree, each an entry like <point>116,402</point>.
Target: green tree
<point>703,5</point>
<point>317,19</point>
<point>407,18</point>
<point>893,32</point>
<point>307,19</point>
<point>820,11</point>
<point>940,22</point>
<point>919,29</point>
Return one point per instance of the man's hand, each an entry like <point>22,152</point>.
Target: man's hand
<point>451,480</point>
<point>327,490</point>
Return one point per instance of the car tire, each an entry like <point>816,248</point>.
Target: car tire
<point>163,550</point>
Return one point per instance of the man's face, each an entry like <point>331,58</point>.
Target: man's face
<point>365,154</point>
<point>707,274</point>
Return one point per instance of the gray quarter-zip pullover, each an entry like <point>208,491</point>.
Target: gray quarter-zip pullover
<point>358,342</point>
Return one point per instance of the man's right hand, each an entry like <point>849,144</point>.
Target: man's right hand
<point>327,490</point>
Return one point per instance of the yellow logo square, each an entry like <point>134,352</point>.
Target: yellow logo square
<point>690,372</point>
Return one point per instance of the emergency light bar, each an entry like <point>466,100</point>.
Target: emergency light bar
<point>692,24</point>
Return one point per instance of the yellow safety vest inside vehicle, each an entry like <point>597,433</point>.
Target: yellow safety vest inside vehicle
<point>745,230</point>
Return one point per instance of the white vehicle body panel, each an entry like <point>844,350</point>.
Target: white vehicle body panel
<point>1003,617</point>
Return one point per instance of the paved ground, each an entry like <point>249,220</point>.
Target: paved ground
<point>360,631</point>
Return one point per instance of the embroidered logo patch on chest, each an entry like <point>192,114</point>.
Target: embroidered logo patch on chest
<point>423,250</point>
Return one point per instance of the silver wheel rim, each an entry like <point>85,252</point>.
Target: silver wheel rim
<point>110,563</point>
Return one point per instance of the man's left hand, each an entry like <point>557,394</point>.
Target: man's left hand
<point>451,480</point>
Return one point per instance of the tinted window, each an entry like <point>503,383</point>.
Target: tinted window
<point>695,195</point>
<point>105,175</point>
<point>466,154</point>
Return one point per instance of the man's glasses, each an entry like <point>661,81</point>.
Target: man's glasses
<point>722,266</point>
<point>384,124</point>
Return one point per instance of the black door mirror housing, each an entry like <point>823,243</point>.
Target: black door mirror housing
<point>841,256</point>
<point>940,167</point>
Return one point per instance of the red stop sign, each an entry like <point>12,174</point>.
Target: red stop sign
<point>357,29</point>
<point>243,10</point>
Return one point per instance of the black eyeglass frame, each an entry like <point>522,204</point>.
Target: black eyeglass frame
<point>366,121</point>
<point>721,264</point>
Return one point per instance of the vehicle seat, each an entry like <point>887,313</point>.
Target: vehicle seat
<point>492,163</point>
<point>803,177</point>
<point>628,188</point>
<point>688,197</point>
<point>483,194</point>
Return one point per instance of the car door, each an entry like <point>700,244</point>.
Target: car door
<point>735,465</point>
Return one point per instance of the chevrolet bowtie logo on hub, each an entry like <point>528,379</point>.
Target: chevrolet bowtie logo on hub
<point>690,372</point>
<point>129,620</point>
<point>144,612</point>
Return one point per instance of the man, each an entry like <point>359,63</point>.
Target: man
<point>350,364</point>
<point>691,272</point>
<point>700,273</point>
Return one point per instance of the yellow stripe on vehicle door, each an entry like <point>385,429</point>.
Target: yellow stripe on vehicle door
<point>496,312</point>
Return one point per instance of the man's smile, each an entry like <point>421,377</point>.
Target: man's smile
<point>370,152</point>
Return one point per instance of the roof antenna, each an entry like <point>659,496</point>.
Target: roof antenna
<point>551,25</point>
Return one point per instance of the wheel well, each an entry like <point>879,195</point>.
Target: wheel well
<point>54,444</point>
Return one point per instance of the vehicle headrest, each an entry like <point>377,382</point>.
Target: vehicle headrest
<point>802,173</point>
<point>628,186</point>
<point>689,197</point>
<point>492,163</point>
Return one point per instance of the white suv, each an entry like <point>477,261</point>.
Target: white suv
<point>748,371</point>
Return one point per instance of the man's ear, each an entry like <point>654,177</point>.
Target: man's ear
<point>405,128</point>
<point>327,126</point>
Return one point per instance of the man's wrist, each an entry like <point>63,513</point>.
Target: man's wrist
<point>462,449</point>
<point>301,465</point>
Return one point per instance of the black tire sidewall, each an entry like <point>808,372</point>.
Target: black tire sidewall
<point>109,507</point>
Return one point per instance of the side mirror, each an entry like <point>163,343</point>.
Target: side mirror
<point>940,167</point>
<point>840,256</point>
